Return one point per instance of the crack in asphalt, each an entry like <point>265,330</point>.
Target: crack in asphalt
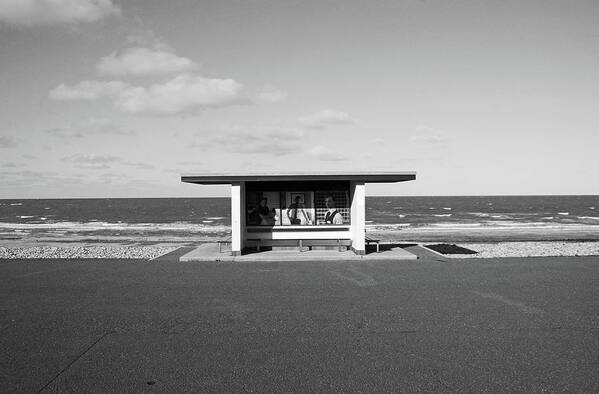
<point>75,360</point>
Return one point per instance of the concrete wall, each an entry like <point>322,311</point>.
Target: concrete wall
<point>237,217</point>
<point>358,216</point>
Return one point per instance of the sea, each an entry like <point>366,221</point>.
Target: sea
<point>192,220</point>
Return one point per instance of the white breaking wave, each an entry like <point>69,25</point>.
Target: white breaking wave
<point>99,226</point>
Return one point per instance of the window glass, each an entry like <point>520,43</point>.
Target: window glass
<point>333,202</point>
<point>297,208</point>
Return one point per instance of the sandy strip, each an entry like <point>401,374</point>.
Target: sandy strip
<point>529,249</point>
<point>146,252</point>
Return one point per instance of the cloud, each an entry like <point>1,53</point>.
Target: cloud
<point>7,141</point>
<point>141,36</point>
<point>326,154</point>
<point>186,93</point>
<point>190,163</point>
<point>101,162</point>
<point>52,12</point>
<point>327,117</point>
<point>429,135</point>
<point>275,141</point>
<point>92,126</point>
<point>91,161</point>
<point>271,95</point>
<point>87,90</point>
<point>139,61</point>
<point>66,132</point>
<point>139,165</point>
<point>104,126</point>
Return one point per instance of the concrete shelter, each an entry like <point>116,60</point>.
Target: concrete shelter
<point>282,209</point>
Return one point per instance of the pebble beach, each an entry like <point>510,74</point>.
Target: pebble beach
<point>529,249</point>
<point>148,252</point>
<point>144,252</point>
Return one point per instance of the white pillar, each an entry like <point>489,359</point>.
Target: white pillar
<point>358,216</point>
<point>237,217</point>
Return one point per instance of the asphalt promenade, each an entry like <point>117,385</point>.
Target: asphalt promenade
<point>497,325</point>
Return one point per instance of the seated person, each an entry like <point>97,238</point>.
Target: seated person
<point>266,215</point>
<point>332,216</point>
<point>294,210</point>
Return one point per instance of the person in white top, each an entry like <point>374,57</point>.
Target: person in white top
<point>294,210</point>
<point>332,216</point>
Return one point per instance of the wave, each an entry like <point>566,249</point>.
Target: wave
<point>101,226</point>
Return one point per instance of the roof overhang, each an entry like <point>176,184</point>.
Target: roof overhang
<point>366,177</point>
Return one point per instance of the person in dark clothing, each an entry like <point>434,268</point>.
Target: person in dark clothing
<point>265,214</point>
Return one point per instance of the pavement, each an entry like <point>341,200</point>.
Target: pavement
<point>211,252</point>
<point>427,325</point>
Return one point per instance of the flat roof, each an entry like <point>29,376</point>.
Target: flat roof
<point>368,177</point>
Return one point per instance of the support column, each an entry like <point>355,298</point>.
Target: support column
<point>237,217</point>
<point>358,216</point>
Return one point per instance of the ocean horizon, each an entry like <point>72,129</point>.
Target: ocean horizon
<point>205,219</point>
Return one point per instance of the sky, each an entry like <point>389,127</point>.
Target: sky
<point>108,98</point>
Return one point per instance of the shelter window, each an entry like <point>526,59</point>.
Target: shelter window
<point>297,207</point>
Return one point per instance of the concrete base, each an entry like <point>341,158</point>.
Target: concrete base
<point>356,251</point>
<point>209,252</point>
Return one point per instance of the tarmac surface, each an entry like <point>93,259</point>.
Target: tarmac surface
<point>430,325</point>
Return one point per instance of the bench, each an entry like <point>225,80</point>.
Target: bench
<point>225,241</point>
<point>371,240</point>
<point>300,243</point>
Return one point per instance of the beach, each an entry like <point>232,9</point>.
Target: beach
<point>141,252</point>
<point>495,226</point>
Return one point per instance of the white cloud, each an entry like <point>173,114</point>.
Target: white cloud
<point>91,159</point>
<point>104,126</point>
<point>87,90</point>
<point>65,132</point>
<point>141,36</point>
<point>51,12</point>
<point>430,135</point>
<point>92,126</point>
<point>139,165</point>
<point>139,61</point>
<point>186,93</point>
<point>275,141</point>
<point>7,141</point>
<point>326,154</point>
<point>271,95</point>
<point>327,117</point>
